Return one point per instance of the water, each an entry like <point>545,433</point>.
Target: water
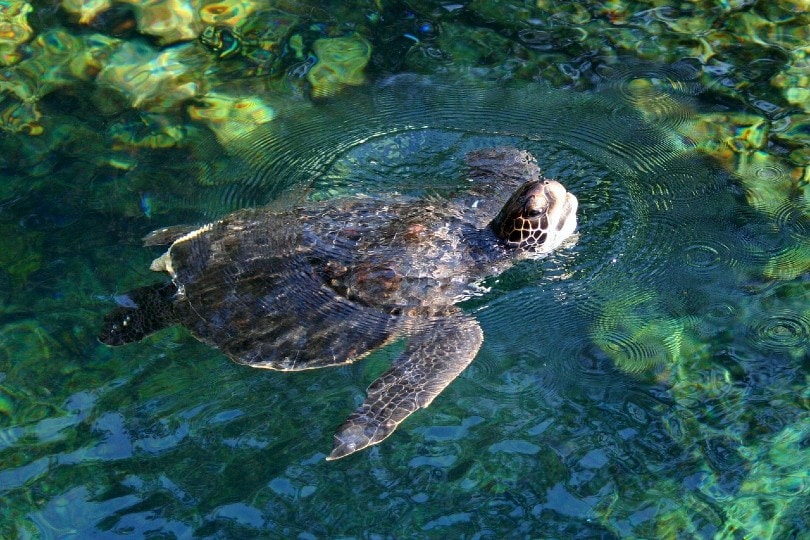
<point>648,381</point>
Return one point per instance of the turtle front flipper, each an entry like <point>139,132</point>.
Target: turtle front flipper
<point>142,312</point>
<point>495,174</point>
<point>435,355</point>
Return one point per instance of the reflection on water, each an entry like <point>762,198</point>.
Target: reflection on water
<point>649,381</point>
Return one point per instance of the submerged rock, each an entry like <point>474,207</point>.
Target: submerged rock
<point>230,117</point>
<point>56,60</point>
<point>259,37</point>
<point>14,30</point>
<point>341,62</point>
<point>157,80</point>
<point>169,21</point>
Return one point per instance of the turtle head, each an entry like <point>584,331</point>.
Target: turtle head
<point>537,217</point>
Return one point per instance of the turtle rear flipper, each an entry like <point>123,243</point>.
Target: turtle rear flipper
<point>433,357</point>
<point>142,312</point>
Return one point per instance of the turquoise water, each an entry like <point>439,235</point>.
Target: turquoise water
<point>649,381</point>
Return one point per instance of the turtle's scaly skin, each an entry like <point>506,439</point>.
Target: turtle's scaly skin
<point>324,285</point>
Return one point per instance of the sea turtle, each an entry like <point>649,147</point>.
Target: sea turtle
<point>324,284</point>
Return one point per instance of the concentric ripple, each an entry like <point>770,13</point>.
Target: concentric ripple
<point>782,331</point>
<point>770,172</point>
<point>789,216</point>
<point>707,255</point>
<point>679,78</point>
<point>306,140</point>
<point>789,262</point>
<point>634,356</point>
<point>685,181</point>
<point>543,339</point>
<point>722,311</point>
<point>658,92</point>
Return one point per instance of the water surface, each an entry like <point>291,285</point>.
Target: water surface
<point>648,381</point>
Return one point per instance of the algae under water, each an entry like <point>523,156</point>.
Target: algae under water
<point>650,381</point>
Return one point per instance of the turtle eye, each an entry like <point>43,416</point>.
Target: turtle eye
<point>535,206</point>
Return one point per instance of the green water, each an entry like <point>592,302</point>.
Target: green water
<point>649,381</point>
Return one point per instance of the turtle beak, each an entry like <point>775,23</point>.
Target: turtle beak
<point>562,212</point>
